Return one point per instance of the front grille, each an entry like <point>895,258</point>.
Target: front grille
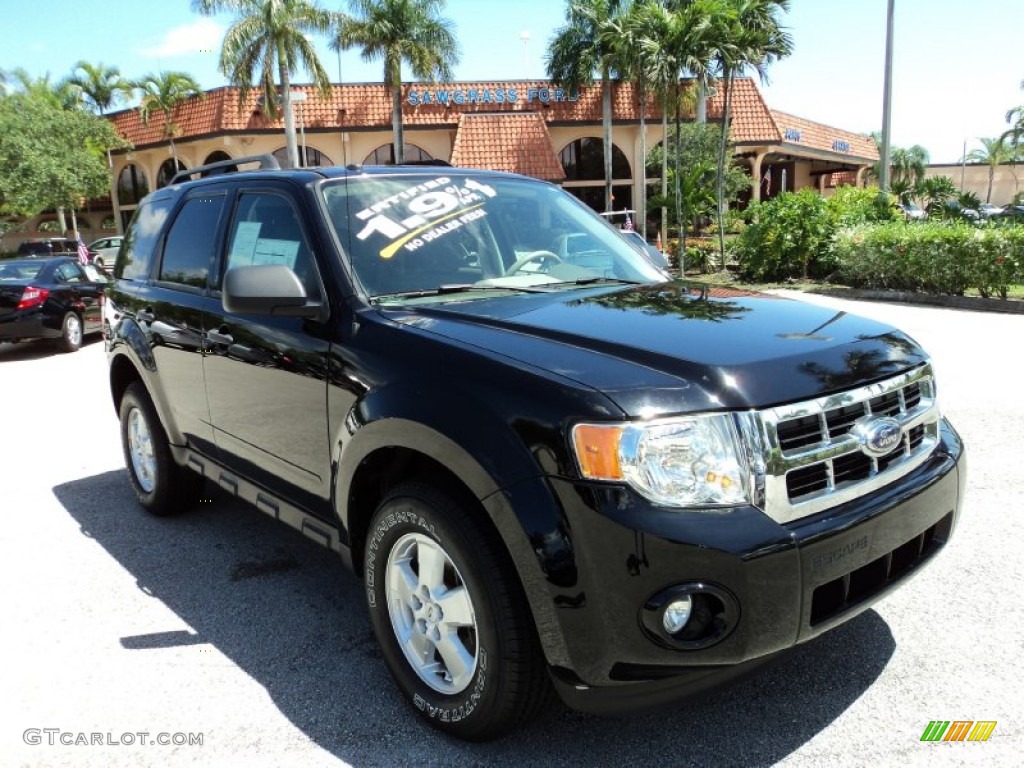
<point>814,452</point>
<point>860,584</point>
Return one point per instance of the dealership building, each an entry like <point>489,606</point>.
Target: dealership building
<point>529,127</point>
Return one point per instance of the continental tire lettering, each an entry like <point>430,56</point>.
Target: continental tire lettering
<point>400,516</point>
<point>464,710</point>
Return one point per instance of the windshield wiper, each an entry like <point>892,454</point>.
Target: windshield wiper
<point>595,280</point>
<point>443,290</point>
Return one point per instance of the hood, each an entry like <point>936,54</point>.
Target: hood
<point>677,346</point>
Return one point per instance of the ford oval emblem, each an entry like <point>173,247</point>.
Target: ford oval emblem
<point>878,436</point>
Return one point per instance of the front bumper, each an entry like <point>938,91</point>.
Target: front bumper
<point>790,582</point>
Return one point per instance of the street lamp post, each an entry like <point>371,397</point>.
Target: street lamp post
<point>299,97</point>
<point>524,36</point>
<point>883,176</point>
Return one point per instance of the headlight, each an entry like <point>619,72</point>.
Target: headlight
<point>682,462</point>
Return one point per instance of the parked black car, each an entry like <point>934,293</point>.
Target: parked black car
<point>48,246</point>
<point>548,464</point>
<point>54,298</point>
<point>1011,213</point>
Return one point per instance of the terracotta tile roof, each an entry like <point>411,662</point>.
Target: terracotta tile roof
<point>519,143</point>
<point>814,135</point>
<point>842,179</point>
<point>751,119</point>
<point>368,106</point>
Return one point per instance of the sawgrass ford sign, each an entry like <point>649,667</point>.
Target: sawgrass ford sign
<point>446,96</point>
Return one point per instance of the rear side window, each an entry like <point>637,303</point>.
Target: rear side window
<point>70,273</point>
<point>136,257</point>
<point>191,240</point>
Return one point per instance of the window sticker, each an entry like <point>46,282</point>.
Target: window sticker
<point>422,213</point>
<point>243,247</point>
<point>269,251</point>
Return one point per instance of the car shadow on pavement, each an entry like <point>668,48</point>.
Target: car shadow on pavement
<point>286,612</point>
<point>39,348</point>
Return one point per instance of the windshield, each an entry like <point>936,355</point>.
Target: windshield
<point>418,234</point>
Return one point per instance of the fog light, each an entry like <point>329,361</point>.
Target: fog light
<point>676,614</point>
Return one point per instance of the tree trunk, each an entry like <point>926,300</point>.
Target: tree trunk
<point>664,171</point>
<point>397,128</point>
<point>680,213</point>
<point>641,208</point>
<point>991,175</point>
<point>289,113</point>
<point>720,180</point>
<point>606,120</point>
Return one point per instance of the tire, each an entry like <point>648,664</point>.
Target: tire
<point>161,486</point>
<point>98,261</point>
<point>477,673</point>
<point>71,332</point>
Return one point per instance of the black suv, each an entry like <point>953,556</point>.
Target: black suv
<point>551,468</point>
<point>48,246</point>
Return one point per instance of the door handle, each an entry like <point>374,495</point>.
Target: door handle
<point>145,315</point>
<point>221,336</point>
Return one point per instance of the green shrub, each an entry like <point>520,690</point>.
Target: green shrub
<point>702,255</point>
<point>851,206</point>
<point>789,236</point>
<point>934,257</point>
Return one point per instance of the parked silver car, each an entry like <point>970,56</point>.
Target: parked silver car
<point>105,251</point>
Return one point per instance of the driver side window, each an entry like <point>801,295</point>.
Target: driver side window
<point>267,230</point>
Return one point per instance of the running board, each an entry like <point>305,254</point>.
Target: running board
<point>308,525</point>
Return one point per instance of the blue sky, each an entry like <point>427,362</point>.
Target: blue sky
<point>958,65</point>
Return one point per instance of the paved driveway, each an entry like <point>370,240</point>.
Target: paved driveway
<point>223,624</point>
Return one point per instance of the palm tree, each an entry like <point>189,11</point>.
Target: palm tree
<point>749,35</point>
<point>268,40</point>
<point>101,86</point>
<point>627,33</point>
<point>578,49</point>
<point>1015,117</point>
<point>906,169</point>
<point>60,94</point>
<point>993,153</point>
<point>398,31</point>
<point>163,92</point>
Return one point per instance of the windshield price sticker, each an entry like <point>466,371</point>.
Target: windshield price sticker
<point>434,208</point>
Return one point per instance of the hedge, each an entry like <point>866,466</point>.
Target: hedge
<point>933,257</point>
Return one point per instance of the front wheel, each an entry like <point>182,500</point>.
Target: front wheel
<point>161,486</point>
<point>450,616</point>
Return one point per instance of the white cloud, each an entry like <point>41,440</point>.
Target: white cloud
<point>201,36</point>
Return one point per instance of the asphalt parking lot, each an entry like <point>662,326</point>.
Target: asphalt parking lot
<point>224,625</point>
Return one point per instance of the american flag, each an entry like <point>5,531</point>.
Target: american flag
<point>83,251</point>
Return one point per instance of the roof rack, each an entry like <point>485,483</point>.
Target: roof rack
<point>227,166</point>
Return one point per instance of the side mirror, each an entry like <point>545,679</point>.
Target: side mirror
<point>266,289</point>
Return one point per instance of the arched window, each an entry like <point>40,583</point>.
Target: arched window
<point>314,157</point>
<point>385,155</point>
<point>583,163</point>
<point>583,160</point>
<point>216,156</point>
<point>131,185</point>
<point>168,169</point>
